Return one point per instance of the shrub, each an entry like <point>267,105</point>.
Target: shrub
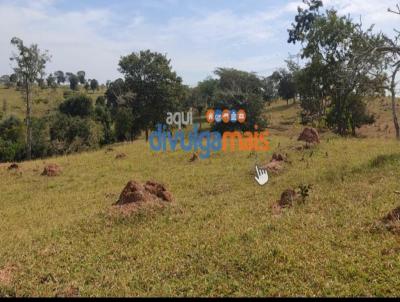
<point>72,134</point>
<point>79,105</point>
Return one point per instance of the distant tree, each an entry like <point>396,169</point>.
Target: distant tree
<point>30,65</point>
<point>240,90</point>
<point>94,85</point>
<point>51,81</point>
<point>73,81</point>
<point>60,77</point>
<point>115,92</point>
<point>87,86</point>
<point>81,76</point>
<point>153,88</point>
<point>41,83</point>
<point>286,86</point>
<point>103,115</point>
<point>269,92</point>
<point>203,96</point>
<point>5,80</point>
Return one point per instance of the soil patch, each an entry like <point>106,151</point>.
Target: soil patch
<point>310,136</point>
<point>52,170</point>
<point>13,166</point>
<point>136,193</point>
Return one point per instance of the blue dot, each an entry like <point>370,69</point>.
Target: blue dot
<point>218,116</point>
<point>233,116</point>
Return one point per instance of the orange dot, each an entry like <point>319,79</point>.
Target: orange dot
<point>241,116</point>
<point>226,116</point>
<point>210,116</point>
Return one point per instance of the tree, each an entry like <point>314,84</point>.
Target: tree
<point>87,86</point>
<point>153,89</point>
<point>341,51</point>
<point>77,105</point>
<point>81,76</point>
<point>286,85</point>
<point>12,139</point>
<point>60,77</point>
<point>240,90</point>
<point>73,81</point>
<point>5,80</point>
<point>94,85</point>
<point>391,49</point>
<point>51,81</point>
<point>30,65</point>
<point>203,96</point>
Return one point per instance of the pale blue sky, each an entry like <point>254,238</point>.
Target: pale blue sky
<point>197,35</point>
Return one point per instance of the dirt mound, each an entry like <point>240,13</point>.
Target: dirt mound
<point>13,167</point>
<point>288,197</point>
<point>393,216</point>
<point>309,135</point>
<point>392,221</point>
<point>135,192</point>
<point>194,157</point>
<point>274,166</point>
<point>279,157</point>
<point>52,170</point>
<point>120,156</point>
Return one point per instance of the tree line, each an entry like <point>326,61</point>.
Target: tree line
<point>342,63</point>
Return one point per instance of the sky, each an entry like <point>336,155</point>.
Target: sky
<point>197,35</point>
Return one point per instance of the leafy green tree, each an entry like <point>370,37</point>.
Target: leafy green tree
<point>240,90</point>
<point>81,76</point>
<point>125,125</point>
<point>203,96</point>
<point>73,134</point>
<point>391,50</point>
<point>60,77</point>
<point>153,87</point>
<point>51,81</point>
<point>94,85</point>
<point>73,81</point>
<point>342,52</point>
<point>286,85</point>
<point>30,65</point>
<point>77,105</point>
<point>87,86</point>
<point>103,115</point>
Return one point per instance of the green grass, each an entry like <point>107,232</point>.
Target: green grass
<point>44,101</point>
<point>220,236</point>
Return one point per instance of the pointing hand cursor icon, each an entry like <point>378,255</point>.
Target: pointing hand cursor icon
<point>262,176</point>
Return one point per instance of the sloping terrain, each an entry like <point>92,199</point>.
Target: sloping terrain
<point>220,236</point>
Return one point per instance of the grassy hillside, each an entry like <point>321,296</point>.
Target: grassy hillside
<point>221,235</point>
<point>44,100</point>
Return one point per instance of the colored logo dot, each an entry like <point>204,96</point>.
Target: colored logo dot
<point>241,116</point>
<point>218,116</point>
<point>226,116</point>
<point>210,116</point>
<point>233,116</point>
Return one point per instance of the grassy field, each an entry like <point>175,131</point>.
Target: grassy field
<point>44,101</point>
<point>220,236</point>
